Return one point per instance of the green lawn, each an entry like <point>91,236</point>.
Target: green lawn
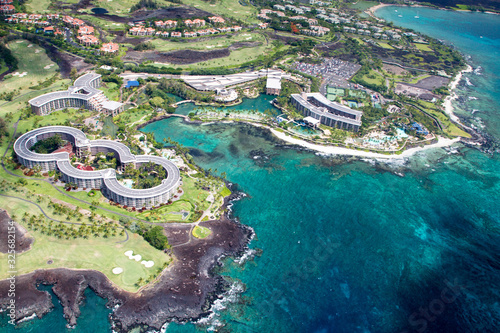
<point>226,8</point>
<point>105,24</point>
<point>102,254</point>
<point>363,5</point>
<point>55,118</point>
<point>131,116</point>
<point>385,45</point>
<point>201,232</point>
<point>38,6</point>
<point>34,61</point>
<point>373,78</point>
<point>111,90</point>
<point>225,192</point>
<point>449,128</point>
<point>423,47</point>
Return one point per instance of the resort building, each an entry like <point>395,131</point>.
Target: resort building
<point>104,180</point>
<point>273,82</point>
<point>88,40</point>
<point>86,30</point>
<point>7,9</point>
<point>196,23</point>
<point>216,19</point>
<point>329,113</point>
<point>83,94</point>
<point>110,47</point>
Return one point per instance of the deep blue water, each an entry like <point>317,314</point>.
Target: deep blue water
<point>354,246</point>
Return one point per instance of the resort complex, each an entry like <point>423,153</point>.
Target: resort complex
<point>104,180</point>
<point>83,94</point>
<point>214,82</point>
<point>329,113</point>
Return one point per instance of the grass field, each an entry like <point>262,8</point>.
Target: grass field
<point>385,45</point>
<point>55,118</point>
<point>111,90</point>
<point>423,47</point>
<point>130,116</point>
<point>34,61</point>
<point>105,24</point>
<point>226,8</point>
<point>363,5</point>
<point>449,128</point>
<point>222,41</point>
<point>102,254</point>
<point>225,192</point>
<point>38,6</point>
<point>373,78</point>
<point>201,232</point>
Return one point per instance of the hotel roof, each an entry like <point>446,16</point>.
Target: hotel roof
<point>25,141</point>
<point>322,111</point>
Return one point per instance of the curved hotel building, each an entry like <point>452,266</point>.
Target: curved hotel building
<point>83,94</point>
<point>105,180</point>
<point>328,113</point>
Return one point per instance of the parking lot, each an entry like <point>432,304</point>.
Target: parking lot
<point>335,72</point>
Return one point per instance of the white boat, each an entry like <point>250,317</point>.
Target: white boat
<point>400,15</point>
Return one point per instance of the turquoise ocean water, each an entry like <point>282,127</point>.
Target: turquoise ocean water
<point>357,246</point>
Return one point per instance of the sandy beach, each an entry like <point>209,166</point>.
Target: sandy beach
<point>331,150</point>
<point>448,106</point>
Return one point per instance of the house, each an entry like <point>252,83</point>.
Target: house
<point>190,34</point>
<point>194,23</point>
<point>88,40</point>
<point>141,31</point>
<point>176,34</point>
<point>48,30</point>
<point>109,48</point>
<point>216,20</point>
<point>263,25</point>
<point>236,28</point>
<point>224,29</point>
<point>7,9</point>
<point>86,30</point>
<point>52,17</point>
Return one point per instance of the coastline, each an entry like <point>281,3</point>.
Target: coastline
<point>448,102</point>
<point>371,11</point>
<point>331,150</point>
<point>184,292</point>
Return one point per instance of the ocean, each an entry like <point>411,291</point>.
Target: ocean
<point>351,245</point>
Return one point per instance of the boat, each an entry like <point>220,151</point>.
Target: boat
<point>416,16</point>
<point>400,15</point>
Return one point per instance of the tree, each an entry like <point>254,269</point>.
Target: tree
<point>73,73</point>
<point>156,238</point>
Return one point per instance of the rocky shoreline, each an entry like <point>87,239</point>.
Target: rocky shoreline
<point>184,292</point>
